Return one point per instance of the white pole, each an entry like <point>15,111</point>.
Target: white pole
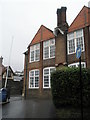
<point>6,77</point>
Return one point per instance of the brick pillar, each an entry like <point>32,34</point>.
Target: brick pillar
<point>25,84</point>
<point>87,44</point>
<point>41,68</point>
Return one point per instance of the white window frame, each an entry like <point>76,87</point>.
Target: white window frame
<point>77,64</point>
<point>34,49</point>
<point>49,77</point>
<point>72,36</point>
<point>34,79</point>
<point>48,45</point>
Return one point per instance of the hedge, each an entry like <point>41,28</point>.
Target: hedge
<point>65,87</point>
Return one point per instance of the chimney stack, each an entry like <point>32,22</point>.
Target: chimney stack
<point>61,16</point>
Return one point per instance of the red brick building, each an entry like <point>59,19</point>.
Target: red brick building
<point>43,55</point>
<point>50,49</point>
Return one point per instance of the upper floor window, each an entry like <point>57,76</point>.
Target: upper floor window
<point>75,39</point>
<point>34,79</point>
<point>46,76</point>
<point>35,53</point>
<point>49,49</point>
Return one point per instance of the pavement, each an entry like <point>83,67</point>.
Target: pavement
<point>33,108</point>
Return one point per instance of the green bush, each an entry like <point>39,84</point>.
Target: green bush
<point>65,86</point>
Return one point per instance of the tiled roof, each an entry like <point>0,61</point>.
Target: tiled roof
<point>42,34</point>
<point>82,20</point>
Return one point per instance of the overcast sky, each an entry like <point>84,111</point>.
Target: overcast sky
<point>20,20</point>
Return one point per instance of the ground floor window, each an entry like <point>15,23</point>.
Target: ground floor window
<point>83,64</point>
<point>34,79</point>
<point>46,76</point>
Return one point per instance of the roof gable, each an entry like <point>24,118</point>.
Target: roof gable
<point>5,70</point>
<point>42,34</point>
<point>82,19</point>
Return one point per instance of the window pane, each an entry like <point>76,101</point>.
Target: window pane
<point>31,82</point>
<point>79,33</point>
<point>73,66</point>
<point>51,70</point>
<point>70,36</point>
<point>71,46</point>
<point>32,48</point>
<point>46,52</point>
<point>52,42</point>
<point>32,55</point>
<point>46,81</point>
<point>31,73</point>
<point>52,51</point>
<point>46,71</point>
<point>36,81</point>
<point>37,46</point>
<point>46,43</point>
<point>37,55</point>
<point>82,65</point>
<point>37,73</point>
<point>79,42</point>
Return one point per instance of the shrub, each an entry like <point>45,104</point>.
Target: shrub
<point>65,86</point>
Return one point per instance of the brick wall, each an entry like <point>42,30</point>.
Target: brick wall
<point>60,50</point>
<point>72,58</point>
<point>40,93</point>
<point>15,87</point>
<point>87,45</point>
<point>35,93</point>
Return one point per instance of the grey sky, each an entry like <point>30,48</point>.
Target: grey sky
<point>22,18</point>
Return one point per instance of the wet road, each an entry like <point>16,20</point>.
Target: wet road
<point>34,108</point>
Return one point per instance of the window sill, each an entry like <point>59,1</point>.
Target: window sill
<point>34,61</point>
<point>34,88</point>
<point>48,58</point>
<point>75,52</point>
<point>46,87</point>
